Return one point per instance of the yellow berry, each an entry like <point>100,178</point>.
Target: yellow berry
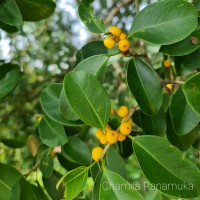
<point>103,139</point>
<point>109,43</point>
<point>130,121</point>
<point>125,128</point>
<point>121,137</point>
<point>112,137</point>
<point>169,87</point>
<point>108,128</point>
<point>115,31</point>
<point>122,111</point>
<point>124,45</point>
<point>122,36</point>
<point>167,63</point>
<point>96,152</point>
<point>112,111</point>
<point>99,133</point>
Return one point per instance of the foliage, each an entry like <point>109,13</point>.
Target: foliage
<point>165,121</point>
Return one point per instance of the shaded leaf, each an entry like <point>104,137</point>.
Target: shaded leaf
<point>52,133</point>
<point>184,119</point>
<point>50,102</point>
<point>10,13</point>
<point>144,85</point>
<point>13,142</point>
<point>80,88</point>
<point>164,164</point>
<point>170,22</point>
<point>35,10</point>
<point>8,28</point>
<point>77,150</point>
<point>46,166</point>
<point>191,90</point>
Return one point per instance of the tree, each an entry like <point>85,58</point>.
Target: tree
<point>101,128</point>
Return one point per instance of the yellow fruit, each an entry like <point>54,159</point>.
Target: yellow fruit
<point>115,31</point>
<point>122,111</point>
<point>124,45</point>
<point>108,128</point>
<point>122,36</point>
<point>169,87</point>
<point>99,133</point>
<point>112,111</point>
<point>125,128</point>
<point>109,43</point>
<point>130,121</point>
<point>103,139</point>
<point>167,63</point>
<point>112,137</point>
<point>96,152</point>
<point>121,137</point>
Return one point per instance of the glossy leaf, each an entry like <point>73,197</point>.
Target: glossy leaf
<point>35,10</point>
<point>77,150</point>
<point>15,192</point>
<point>10,13</point>
<point>86,14</point>
<point>164,164</point>
<point>74,182</point>
<point>50,186</point>
<point>183,47</point>
<point>80,88</point>
<point>95,65</point>
<point>113,186</point>
<point>46,166</point>
<point>144,85</point>
<point>191,90</point>
<point>183,142</point>
<point>65,108</point>
<point>115,163</point>
<point>97,184</point>
<point>50,102</point>
<point>153,124</point>
<point>184,119</point>
<point>9,177</point>
<point>165,22</point>
<point>9,82</point>
<point>8,28</point>
<point>52,133</point>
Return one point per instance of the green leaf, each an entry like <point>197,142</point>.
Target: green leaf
<point>183,142</point>
<point>50,186</point>
<point>13,142</point>
<point>95,65</point>
<point>77,150</point>
<point>191,90</point>
<point>46,166</point>
<point>8,28</point>
<point>183,47</point>
<point>115,163</point>
<point>9,177</point>
<point>144,84</point>
<point>80,88</point>
<point>65,108</point>
<point>191,63</point>
<point>153,124</point>
<point>165,22</point>
<point>86,14</point>
<point>9,82</point>
<point>167,169</point>
<point>52,133</point>
<point>97,184</point>
<point>184,119</point>
<point>50,102</point>
<point>74,182</point>
<point>38,190</point>
<point>94,48</point>
<point>10,13</point>
<point>5,68</point>
<point>115,187</point>
<point>15,192</point>
<point>35,10</point>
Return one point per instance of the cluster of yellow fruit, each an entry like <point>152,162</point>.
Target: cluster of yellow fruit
<point>116,35</point>
<point>111,136</point>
